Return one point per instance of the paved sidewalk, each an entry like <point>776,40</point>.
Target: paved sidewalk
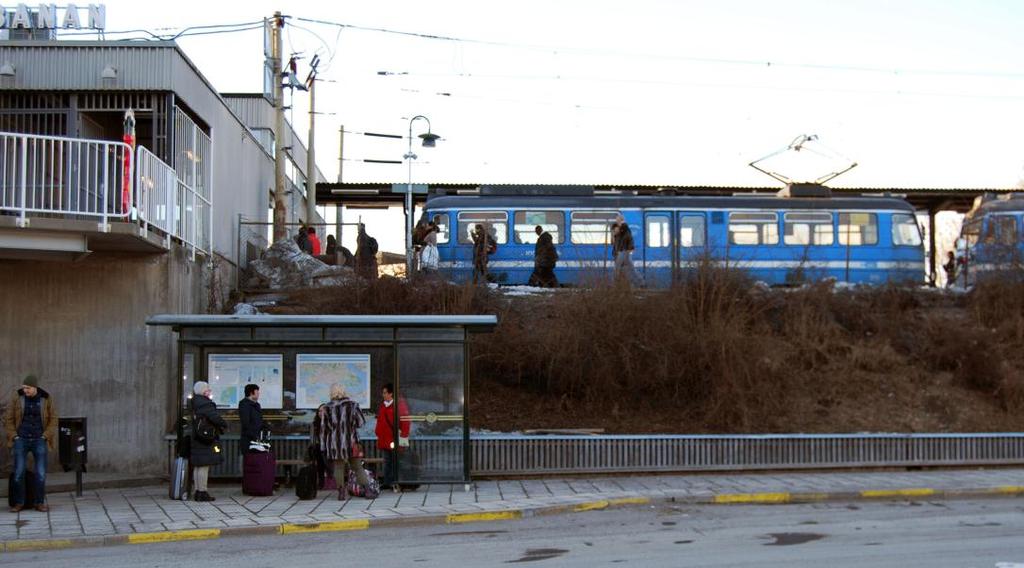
<point>145,514</point>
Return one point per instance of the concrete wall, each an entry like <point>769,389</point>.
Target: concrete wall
<point>81,328</point>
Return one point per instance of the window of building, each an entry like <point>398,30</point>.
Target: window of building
<point>592,227</point>
<point>691,230</point>
<point>659,231</point>
<point>551,221</point>
<point>442,221</point>
<point>808,228</point>
<point>494,222</point>
<point>856,229</point>
<point>754,228</point>
<point>905,231</point>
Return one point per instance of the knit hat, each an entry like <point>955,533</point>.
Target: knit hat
<point>200,386</point>
<point>30,381</point>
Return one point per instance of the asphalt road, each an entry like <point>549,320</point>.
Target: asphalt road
<point>984,533</point>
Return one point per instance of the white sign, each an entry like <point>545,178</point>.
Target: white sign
<point>228,375</point>
<point>314,375</point>
<point>45,17</point>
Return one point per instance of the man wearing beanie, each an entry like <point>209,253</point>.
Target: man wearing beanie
<point>30,424</point>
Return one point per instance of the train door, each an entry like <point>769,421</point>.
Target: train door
<point>660,258</point>
<point>691,240</point>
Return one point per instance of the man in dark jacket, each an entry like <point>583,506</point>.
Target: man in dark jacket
<point>545,256</point>
<point>622,251</point>
<point>483,247</point>
<point>205,450</point>
<point>366,254</point>
<point>250,418</point>
<point>31,427</point>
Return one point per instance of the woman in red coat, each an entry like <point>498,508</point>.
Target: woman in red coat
<point>385,431</point>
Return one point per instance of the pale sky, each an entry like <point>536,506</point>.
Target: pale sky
<point>919,93</point>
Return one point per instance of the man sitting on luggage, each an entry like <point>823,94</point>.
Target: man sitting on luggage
<point>31,426</point>
<point>250,418</point>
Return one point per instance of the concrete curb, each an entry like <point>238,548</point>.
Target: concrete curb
<point>506,514</point>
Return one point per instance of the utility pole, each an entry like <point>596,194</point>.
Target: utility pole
<point>310,153</point>
<point>339,207</point>
<point>280,212</point>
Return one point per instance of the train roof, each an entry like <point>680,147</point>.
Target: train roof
<point>668,202</point>
<point>1013,202</point>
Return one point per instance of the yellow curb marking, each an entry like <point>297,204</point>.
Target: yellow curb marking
<point>629,501</point>
<point>171,536</point>
<point>882,493</point>
<point>591,506</point>
<point>752,498</point>
<point>1008,489</point>
<point>22,545</point>
<point>809,496</point>
<point>329,526</point>
<point>456,518</point>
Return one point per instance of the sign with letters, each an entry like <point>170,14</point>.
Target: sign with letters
<point>52,16</point>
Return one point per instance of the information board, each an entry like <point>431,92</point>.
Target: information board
<point>315,373</point>
<point>229,373</point>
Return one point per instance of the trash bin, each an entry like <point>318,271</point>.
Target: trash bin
<point>72,443</point>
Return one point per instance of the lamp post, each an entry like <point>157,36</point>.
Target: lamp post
<point>429,141</point>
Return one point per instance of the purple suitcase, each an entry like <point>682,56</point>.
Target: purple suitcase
<point>258,473</point>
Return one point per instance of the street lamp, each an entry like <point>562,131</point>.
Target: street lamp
<point>429,141</point>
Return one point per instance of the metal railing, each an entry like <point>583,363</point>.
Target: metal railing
<point>509,455</point>
<point>71,177</point>
<point>170,204</point>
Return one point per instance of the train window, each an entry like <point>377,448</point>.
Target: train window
<point>592,227</point>
<point>496,223</point>
<point>972,232</point>
<point>442,221</point>
<point>659,231</point>
<point>808,228</point>
<point>1006,229</point>
<point>551,221</point>
<point>691,230</point>
<point>905,230</point>
<point>753,228</point>
<point>857,229</point>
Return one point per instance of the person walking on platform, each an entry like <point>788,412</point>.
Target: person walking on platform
<point>366,254</point>
<point>545,256</point>
<point>31,427</point>
<point>622,251</point>
<point>483,247</point>
<point>207,426</point>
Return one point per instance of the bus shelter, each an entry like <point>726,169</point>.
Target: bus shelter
<point>296,359</point>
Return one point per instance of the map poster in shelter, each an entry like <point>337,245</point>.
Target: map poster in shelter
<point>228,375</point>
<point>316,373</point>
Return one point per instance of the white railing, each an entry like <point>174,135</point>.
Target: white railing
<point>71,177</point>
<point>171,205</point>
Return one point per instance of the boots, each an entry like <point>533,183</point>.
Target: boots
<point>203,496</point>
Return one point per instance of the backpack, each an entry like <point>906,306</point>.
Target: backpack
<point>371,245</point>
<point>306,483</point>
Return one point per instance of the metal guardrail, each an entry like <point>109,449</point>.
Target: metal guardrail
<point>541,455</point>
<point>73,177</point>
<point>169,203</point>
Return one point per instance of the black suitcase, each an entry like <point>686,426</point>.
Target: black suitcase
<point>306,483</point>
<point>30,489</point>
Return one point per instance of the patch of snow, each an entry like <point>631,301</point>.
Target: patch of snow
<point>243,309</point>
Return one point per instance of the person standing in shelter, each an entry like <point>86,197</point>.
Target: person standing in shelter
<point>250,418</point>
<point>207,426</point>
<point>545,256</point>
<point>622,251</point>
<point>483,245</point>
<point>387,443</point>
<point>366,254</point>
<point>30,423</point>
<point>336,430</point>
<point>314,241</point>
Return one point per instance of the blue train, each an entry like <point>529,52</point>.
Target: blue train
<point>990,239</point>
<point>780,239</point>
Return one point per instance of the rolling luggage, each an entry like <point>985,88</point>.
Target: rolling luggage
<point>258,473</point>
<point>179,479</point>
<point>306,483</point>
<point>30,489</point>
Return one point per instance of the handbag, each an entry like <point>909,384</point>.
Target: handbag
<point>205,431</point>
